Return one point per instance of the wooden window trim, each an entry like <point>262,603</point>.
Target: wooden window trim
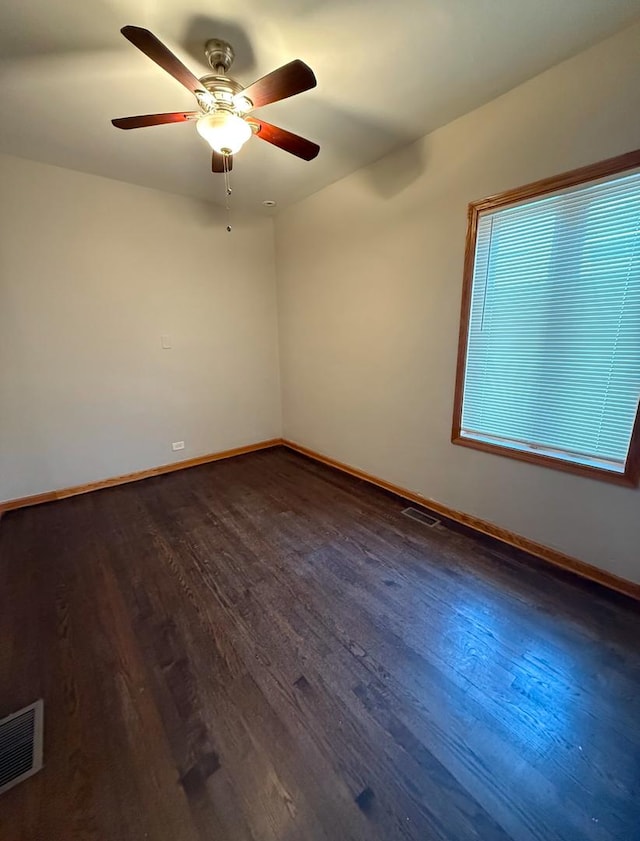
<point>574,178</point>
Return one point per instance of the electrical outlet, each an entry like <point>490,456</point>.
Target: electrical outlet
<point>177,445</point>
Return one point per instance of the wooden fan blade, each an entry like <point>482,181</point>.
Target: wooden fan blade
<point>154,119</point>
<point>156,51</point>
<point>217,162</point>
<point>287,140</point>
<point>286,81</point>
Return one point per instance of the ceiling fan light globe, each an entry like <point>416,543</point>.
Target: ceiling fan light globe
<point>226,133</point>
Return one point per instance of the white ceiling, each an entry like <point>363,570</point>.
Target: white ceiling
<point>388,72</point>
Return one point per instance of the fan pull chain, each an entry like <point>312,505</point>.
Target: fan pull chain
<point>227,189</point>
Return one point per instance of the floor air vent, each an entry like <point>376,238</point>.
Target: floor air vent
<point>20,745</point>
<point>421,517</point>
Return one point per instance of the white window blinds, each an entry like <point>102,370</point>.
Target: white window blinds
<point>553,351</point>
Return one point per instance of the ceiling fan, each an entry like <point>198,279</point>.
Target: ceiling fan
<point>224,119</point>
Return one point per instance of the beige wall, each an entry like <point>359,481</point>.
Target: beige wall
<point>92,272</point>
<point>370,273</point>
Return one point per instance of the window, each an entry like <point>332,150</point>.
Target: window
<point>549,355</point>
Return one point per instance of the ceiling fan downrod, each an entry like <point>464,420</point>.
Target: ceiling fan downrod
<point>220,55</point>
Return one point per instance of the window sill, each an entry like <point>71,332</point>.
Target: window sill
<point>627,479</point>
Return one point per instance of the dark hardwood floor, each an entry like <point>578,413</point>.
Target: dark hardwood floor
<point>264,649</point>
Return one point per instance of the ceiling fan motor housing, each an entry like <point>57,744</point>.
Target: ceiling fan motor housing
<point>224,93</point>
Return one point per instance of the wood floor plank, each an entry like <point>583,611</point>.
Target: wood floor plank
<point>264,649</point>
